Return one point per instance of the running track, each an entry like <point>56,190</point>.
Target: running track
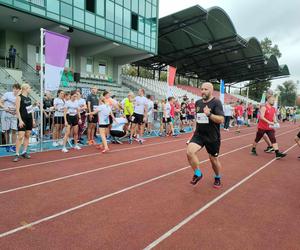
<point>139,197</point>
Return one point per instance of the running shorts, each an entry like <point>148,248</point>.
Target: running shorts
<point>212,148</point>
<point>8,121</point>
<point>28,124</point>
<point>270,133</point>
<point>72,120</point>
<point>59,120</point>
<point>137,119</point>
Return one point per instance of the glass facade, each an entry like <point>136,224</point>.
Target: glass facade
<point>112,19</point>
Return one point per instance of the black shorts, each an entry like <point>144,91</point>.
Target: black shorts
<point>104,125</point>
<point>270,133</point>
<point>128,117</point>
<point>28,124</point>
<point>182,118</point>
<point>191,117</point>
<point>213,148</point>
<point>137,119</point>
<point>116,133</point>
<point>249,117</point>
<point>72,120</point>
<point>298,135</point>
<point>59,120</point>
<point>110,120</point>
<point>166,120</point>
<point>94,119</point>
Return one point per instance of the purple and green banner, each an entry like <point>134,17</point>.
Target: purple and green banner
<point>56,49</point>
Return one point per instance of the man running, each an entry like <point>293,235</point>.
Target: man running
<point>266,124</point>
<point>209,116</point>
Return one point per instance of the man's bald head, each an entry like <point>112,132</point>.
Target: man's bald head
<point>207,90</point>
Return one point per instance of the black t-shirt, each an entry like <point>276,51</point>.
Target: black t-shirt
<point>93,99</point>
<point>25,107</point>
<point>209,132</point>
<point>47,104</point>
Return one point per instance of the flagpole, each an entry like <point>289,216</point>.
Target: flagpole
<point>42,86</point>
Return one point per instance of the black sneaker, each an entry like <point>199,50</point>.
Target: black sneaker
<point>217,183</point>
<point>16,159</point>
<point>253,152</point>
<point>195,179</point>
<point>25,155</point>
<point>269,149</point>
<point>280,155</point>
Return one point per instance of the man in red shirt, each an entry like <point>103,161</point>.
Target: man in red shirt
<point>266,124</point>
<point>238,113</point>
<point>191,109</point>
<point>249,113</point>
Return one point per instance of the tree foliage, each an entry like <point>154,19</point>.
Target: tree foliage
<point>256,89</point>
<point>268,48</point>
<point>288,93</point>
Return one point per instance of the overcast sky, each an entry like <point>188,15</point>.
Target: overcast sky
<point>277,19</point>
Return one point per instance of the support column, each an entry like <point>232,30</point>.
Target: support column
<point>117,70</point>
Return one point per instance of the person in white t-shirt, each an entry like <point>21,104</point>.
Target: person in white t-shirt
<point>150,113</point>
<point>104,112</point>
<point>118,129</point>
<point>59,107</point>
<point>72,118</point>
<point>139,116</point>
<point>8,117</point>
<point>228,113</point>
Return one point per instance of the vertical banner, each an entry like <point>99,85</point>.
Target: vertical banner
<point>56,48</point>
<point>263,98</point>
<point>222,91</point>
<point>171,79</point>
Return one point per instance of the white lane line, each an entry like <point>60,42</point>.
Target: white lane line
<point>115,150</point>
<point>17,229</point>
<point>209,204</point>
<point>98,154</point>
<point>87,155</point>
<point>97,169</point>
<point>107,167</point>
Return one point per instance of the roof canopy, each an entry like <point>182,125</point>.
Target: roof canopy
<point>204,44</point>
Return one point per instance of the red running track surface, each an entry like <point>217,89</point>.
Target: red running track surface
<point>134,195</point>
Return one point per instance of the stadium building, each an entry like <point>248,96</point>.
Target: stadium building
<point>104,35</point>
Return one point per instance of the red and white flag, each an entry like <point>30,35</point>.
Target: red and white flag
<point>171,79</point>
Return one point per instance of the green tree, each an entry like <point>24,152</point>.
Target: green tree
<point>288,93</point>
<point>256,89</point>
<point>268,49</point>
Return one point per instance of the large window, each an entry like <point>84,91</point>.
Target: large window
<point>100,7</point>
<point>66,10</point>
<point>110,10</point>
<point>53,6</point>
<point>89,65</point>
<point>135,6</point>
<point>119,14</point>
<point>102,69</point>
<point>78,15</point>
<point>90,5</point>
<point>134,21</point>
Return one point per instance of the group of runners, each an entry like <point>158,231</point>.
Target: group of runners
<point>128,119</point>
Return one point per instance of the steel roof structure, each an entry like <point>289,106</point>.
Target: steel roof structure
<point>204,44</point>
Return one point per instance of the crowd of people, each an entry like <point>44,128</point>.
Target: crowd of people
<point>72,120</point>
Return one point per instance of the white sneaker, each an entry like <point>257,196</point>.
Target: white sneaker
<point>77,147</point>
<point>55,144</point>
<point>65,150</point>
